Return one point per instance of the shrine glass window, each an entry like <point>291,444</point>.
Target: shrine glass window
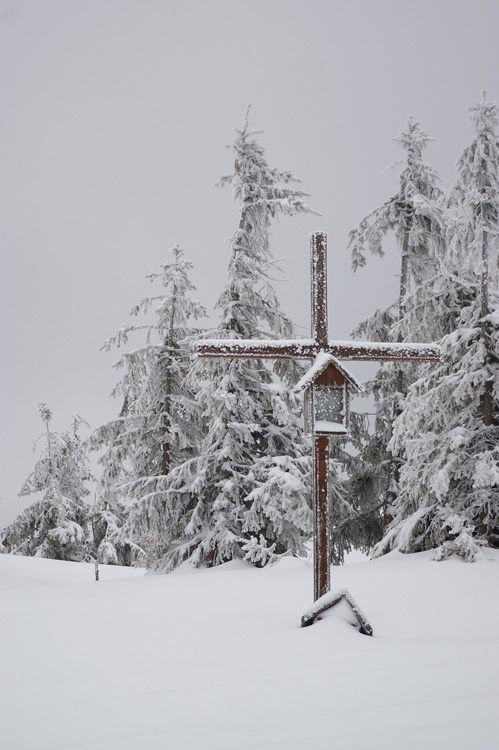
<point>330,404</point>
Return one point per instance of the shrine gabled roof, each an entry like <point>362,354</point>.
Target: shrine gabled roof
<point>322,361</point>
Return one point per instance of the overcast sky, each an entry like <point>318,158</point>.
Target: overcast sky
<point>115,115</point>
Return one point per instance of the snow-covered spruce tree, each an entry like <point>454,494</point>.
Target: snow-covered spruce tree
<point>57,525</point>
<point>158,427</point>
<point>449,430</point>
<point>112,546</point>
<point>251,479</point>
<point>353,520</point>
<point>413,216</point>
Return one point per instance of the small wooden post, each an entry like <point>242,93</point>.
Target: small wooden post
<point>328,601</point>
<point>96,571</point>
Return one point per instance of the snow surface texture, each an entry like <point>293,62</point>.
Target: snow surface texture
<point>217,658</point>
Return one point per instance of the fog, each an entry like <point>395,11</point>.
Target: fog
<point>116,114</point>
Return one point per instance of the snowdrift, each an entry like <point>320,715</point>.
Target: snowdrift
<point>217,658</point>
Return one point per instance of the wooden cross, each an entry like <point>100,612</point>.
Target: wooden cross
<point>309,349</point>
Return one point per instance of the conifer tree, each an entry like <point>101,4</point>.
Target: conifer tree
<point>415,219</point>
<point>57,525</point>
<point>158,427</point>
<point>449,431</point>
<point>250,483</point>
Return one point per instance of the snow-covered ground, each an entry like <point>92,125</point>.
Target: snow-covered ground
<point>216,658</point>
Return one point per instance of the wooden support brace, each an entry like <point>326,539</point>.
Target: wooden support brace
<point>329,600</point>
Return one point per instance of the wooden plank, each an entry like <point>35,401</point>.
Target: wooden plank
<point>251,349</point>
<point>306,349</point>
<point>322,518</point>
<point>364,351</point>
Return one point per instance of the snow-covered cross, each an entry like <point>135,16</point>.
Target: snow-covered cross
<point>318,344</point>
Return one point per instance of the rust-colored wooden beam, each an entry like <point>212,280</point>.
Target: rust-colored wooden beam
<point>318,278</point>
<point>251,349</point>
<point>322,518</point>
<point>362,351</point>
<point>307,349</point>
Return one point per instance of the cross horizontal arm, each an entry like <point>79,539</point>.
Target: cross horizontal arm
<point>309,349</point>
<point>362,350</point>
<point>258,349</point>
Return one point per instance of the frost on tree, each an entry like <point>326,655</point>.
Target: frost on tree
<point>414,217</point>
<point>449,431</point>
<point>57,525</point>
<point>250,484</point>
<point>158,426</point>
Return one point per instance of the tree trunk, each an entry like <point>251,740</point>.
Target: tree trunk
<point>404,283</point>
<point>394,472</point>
<point>484,293</point>
<point>165,447</point>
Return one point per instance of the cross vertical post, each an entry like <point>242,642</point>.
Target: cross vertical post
<point>321,509</point>
<point>322,518</point>
<point>318,278</point>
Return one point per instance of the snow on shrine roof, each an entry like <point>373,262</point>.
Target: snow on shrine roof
<point>322,361</point>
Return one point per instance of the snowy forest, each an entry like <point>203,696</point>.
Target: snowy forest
<point>206,461</point>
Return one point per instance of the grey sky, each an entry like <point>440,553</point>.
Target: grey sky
<point>115,118</point>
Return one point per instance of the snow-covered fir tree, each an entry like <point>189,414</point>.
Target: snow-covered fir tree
<point>57,525</point>
<point>158,426</point>
<point>415,219</point>
<point>250,484</point>
<point>449,430</point>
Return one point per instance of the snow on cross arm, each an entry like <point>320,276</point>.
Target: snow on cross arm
<point>309,349</point>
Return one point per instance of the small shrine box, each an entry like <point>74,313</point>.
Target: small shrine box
<point>327,388</point>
